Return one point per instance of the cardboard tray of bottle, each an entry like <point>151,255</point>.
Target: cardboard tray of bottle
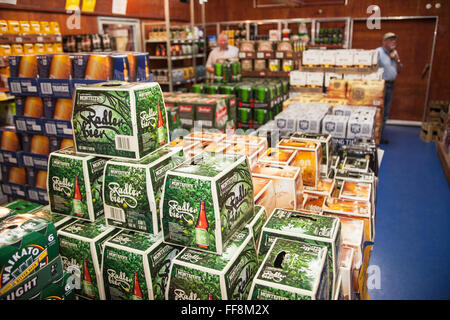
<point>338,69</point>
<point>287,55</point>
<point>13,190</point>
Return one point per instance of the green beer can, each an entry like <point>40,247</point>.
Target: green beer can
<point>245,93</point>
<point>197,88</point>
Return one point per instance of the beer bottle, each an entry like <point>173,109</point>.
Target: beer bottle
<point>147,70</point>
<point>125,71</point>
<point>137,293</point>
<point>161,132</point>
<point>77,204</point>
<point>201,229</point>
<point>88,287</point>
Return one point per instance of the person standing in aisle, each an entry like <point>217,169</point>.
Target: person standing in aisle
<point>388,59</point>
<point>222,51</point>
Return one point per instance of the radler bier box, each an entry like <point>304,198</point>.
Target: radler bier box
<point>132,189</point>
<point>136,266</point>
<point>119,119</point>
<point>206,200</point>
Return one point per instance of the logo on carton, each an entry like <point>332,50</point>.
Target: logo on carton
<point>184,211</point>
<point>303,124</point>
<point>63,185</point>
<point>330,126</point>
<point>120,280</point>
<point>96,126</point>
<point>126,195</point>
<point>21,264</point>
<point>181,295</point>
<point>235,199</point>
<point>276,276</point>
<point>148,119</point>
<point>355,128</point>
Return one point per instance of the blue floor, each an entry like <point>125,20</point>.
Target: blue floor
<point>411,255</point>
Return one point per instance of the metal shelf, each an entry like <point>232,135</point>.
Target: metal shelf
<point>197,55</point>
<point>172,41</point>
<point>169,58</point>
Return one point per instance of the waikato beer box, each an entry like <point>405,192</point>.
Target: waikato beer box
<point>81,247</point>
<point>136,266</point>
<point>197,275</point>
<point>18,207</point>
<point>206,200</point>
<point>119,119</point>
<point>307,157</point>
<point>74,183</point>
<point>292,270</point>
<point>132,189</point>
<point>36,284</point>
<point>27,245</point>
<point>287,182</point>
<point>307,227</point>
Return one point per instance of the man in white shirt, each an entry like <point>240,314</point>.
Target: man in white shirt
<point>222,51</point>
<point>390,61</point>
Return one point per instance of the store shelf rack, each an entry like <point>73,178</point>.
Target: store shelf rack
<point>168,41</point>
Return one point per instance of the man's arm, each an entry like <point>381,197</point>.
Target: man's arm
<point>209,63</point>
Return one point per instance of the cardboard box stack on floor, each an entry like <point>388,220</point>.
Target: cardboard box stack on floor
<point>437,122</point>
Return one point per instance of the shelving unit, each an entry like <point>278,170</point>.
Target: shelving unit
<point>170,58</point>
<point>279,24</point>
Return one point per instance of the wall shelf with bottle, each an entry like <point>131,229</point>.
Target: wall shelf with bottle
<point>173,45</point>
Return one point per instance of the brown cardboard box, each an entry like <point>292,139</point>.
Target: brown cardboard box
<point>365,93</point>
<point>337,89</point>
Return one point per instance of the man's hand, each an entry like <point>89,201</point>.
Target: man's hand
<point>394,55</point>
<point>210,69</point>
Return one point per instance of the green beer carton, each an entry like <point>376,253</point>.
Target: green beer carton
<point>206,200</point>
<point>81,247</point>
<point>119,119</point>
<point>292,270</point>
<point>27,245</point>
<point>18,207</point>
<point>197,275</point>
<point>136,266</point>
<point>211,113</point>
<point>132,189</point>
<point>59,220</point>
<point>33,285</point>
<point>74,183</point>
<point>62,289</point>
<point>307,227</point>
<point>255,226</point>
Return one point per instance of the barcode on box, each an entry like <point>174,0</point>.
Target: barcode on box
<point>46,88</point>
<point>33,195</point>
<point>28,161</point>
<point>6,189</point>
<point>114,213</point>
<point>15,87</point>
<point>123,143</point>
<point>21,125</point>
<point>50,128</point>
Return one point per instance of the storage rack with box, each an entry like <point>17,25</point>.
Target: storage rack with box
<point>169,44</point>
